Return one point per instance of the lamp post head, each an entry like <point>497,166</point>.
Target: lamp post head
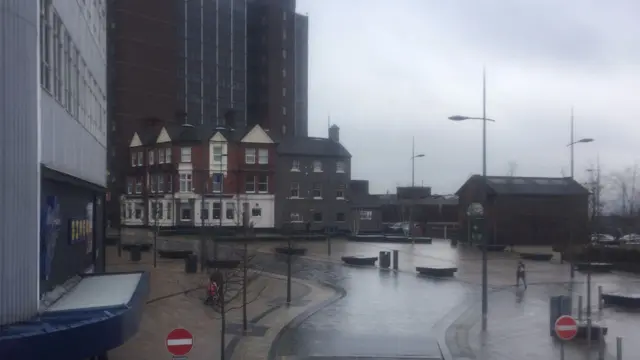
<point>458,118</point>
<point>585,140</point>
<point>418,156</point>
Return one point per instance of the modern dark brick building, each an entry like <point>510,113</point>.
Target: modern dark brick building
<point>196,62</point>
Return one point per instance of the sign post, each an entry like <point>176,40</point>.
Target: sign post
<point>566,329</point>
<point>179,342</point>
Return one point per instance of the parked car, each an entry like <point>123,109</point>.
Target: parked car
<point>603,239</point>
<point>630,239</point>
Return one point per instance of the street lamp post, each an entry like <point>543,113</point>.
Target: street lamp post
<point>484,120</point>
<point>413,184</point>
<point>571,144</point>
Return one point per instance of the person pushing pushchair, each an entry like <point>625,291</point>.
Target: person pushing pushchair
<point>214,290</point>
<point>521,275</point>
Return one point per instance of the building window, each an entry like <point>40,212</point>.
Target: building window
<point>185,212</point>
<point>134,159</point>
<point>284,73</point>
<point>295,217</point>
<point>317,217</point>
<point>256,211</point>
<point>340,167</point>
<point>317,191</point>
<point>295,165</point>
<point>170,183</point>
<point>250,184</point>
<point>217,210</point>
<point>317,166</point>
<point>45,44</point>
<point>284,110</point>
<point>140,158</point>
<point>185,154</point>
<point>138,186</point>
<point>295,190</point>
<point>263,183</point>
<point>284,34</point>
<point>160,183</point>
<point>284,92</point>
<point>153,185</point>
<point>168,152</point>
<point>151,159</point>
<point>129,186</point>
<point>263,156</point>
<point>340,192</point>
<point>284,15</point>
<point>161,156</point>
<point>284,53</point>
<point>138,211</point>
<point>217,153</point>
<point>366,214</point>
<point>129,214</point>
<point>250,156</point>
<point>204,212</point>
<point>154,211</point>
<point>216,183</point>
<point>185,182</point>
<point>340,217</point>
<point>169,211</point>
<point>231,211</point>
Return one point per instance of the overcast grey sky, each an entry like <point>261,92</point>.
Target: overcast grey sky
<point>390,70</point>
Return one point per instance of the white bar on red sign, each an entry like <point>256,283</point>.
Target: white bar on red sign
<point>566,327</point>
<point>176,342</point>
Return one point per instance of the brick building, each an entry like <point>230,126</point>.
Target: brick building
<point>200,176</point>
<point>528,210</point>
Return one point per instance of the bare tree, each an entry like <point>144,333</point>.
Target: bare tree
<point>512,168</point>
<point>623,187</point>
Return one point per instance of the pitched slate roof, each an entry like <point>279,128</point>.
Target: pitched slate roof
<point>181,134</point>
<point>312,146</point>
<point>516,185</point>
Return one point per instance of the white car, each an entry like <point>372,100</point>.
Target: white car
<point>630,239</point>
<point>602,238</point>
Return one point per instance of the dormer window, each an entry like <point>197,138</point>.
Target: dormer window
<point>134,159</point>
<point>217,153</point>
<point>263,156</point>
<point>151,157</point>
<point>295,165</point>
<point>168,152</point>
<point>140,158</point>
<point>161,156</point>
<point>317,166</point>
<point>340,166</point>
<point>185,154</point>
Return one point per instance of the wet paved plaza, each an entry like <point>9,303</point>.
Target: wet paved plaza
<point>394,314</point>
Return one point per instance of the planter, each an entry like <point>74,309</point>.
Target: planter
<point>359,260</point>
<point>594,267</point>
<point>290,251</point>
<point>630,301</point>
<point>536,256</point>
<point>174,254</point>
<point>436,271</point>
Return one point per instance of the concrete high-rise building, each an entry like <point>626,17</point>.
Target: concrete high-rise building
<point>53,141</point>
<point>172,60</point>
<point>277,67</point>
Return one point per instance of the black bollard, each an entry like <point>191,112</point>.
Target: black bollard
<point>395,259</point>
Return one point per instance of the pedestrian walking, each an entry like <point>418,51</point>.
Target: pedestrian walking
<point>521,275</point>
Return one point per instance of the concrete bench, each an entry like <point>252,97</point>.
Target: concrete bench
<point>360,260</point>
<point>436,271</point>
<point>536,256</point>
<point>174,254</point>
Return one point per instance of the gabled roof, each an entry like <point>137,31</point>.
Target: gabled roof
<point>312,146</point>
<point>517,185</point>
<point>257,135</point>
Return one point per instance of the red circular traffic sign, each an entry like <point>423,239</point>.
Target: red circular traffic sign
<point>566,327</point>
<point>179,342</point>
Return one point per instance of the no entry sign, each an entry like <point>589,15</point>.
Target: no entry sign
<point>179,342</point>
<point>566,327</point>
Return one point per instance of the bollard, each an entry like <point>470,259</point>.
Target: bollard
<point>580,308</point>
<point>395,259</point>
<point>600,302</point>
<point>601,344</point>
<point>619,348</point>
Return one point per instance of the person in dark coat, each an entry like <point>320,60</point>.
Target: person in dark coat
<point>520,274</point>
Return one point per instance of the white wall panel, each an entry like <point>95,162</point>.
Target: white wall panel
<point>19,165</point>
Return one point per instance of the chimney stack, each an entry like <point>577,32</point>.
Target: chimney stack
<point>334,133</point>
